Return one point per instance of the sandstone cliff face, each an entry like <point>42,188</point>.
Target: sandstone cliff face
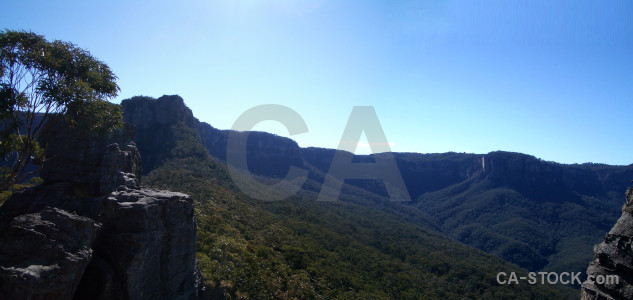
<point>154,121</point>
<point>91,232</point>
<point>614,256</point>
<point>267,154</point>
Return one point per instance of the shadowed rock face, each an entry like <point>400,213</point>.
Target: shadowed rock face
<point>154,120</point>
<point>97,165</point>
<point>91,232</point>
<point>267,154</point>
<point>614,256</point>
<point>44,254</point>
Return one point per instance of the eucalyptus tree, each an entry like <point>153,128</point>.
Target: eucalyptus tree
<point>42,79</point>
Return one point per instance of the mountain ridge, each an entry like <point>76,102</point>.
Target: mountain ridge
<point>362,246</point>
<point>461,193</point>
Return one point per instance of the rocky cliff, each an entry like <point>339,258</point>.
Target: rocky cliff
<point>614,256</point>
<point>90,231</point>
<point>158,121</point>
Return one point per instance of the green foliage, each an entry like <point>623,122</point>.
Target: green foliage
<point>38,79</point>
<point>303,249</point>
<point>184,143</point>
<point>4,195</point>
<point>12,142</point>
<point>540,235</point>
<point>97,116</point>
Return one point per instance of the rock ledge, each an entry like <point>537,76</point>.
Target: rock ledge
<point>90,231</point>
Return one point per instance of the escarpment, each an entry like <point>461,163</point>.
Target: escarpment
<point>90,231</point>
<point>610,275</point>
<point>158,121</point>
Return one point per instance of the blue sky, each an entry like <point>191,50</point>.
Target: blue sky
<point>554,80</point>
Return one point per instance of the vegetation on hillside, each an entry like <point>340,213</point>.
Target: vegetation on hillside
<point>535,232</point>
<point>300,248</point>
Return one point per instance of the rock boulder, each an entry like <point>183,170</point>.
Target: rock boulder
<point>90,231</point>
<point>614,256</point>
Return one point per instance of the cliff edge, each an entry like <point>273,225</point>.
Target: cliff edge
<point>614,256</point>
<point>90,231</point>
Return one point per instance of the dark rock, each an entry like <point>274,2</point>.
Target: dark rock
<point>100,281</point>
<point>165,111</point>
<point>202,289</point>
<point>63,195</point>
<point>119,167</point>
<point>154,120</point>
<point>98,163</point>
<point>149,238</point>
<point>44,254</point>
<point>91,232</point>
<point>267,154</point>
<point>614,256</point>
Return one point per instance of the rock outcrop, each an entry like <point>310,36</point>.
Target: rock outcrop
<point>44,254</point>
<point>614,256</point>
<point>90,231</point>
<point>267,154</point>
